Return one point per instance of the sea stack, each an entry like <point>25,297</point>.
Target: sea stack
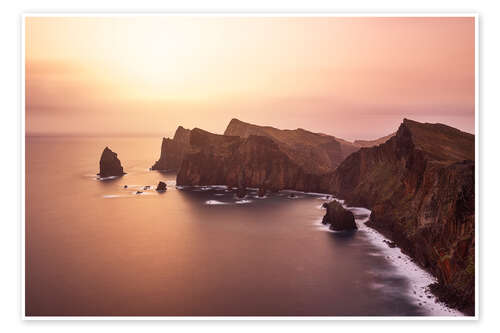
<point>162,187</point>
<point>338,217</point>
<point>110,165</point>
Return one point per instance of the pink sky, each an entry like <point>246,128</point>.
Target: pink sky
<point>354,78</point>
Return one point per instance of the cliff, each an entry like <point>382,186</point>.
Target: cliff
<point>252,161</point>
<point>420,188</point>
<point>172,151</point>
<point>109,164</point>
<point>315,152</point>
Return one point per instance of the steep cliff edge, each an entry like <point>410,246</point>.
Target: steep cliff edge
<point>314,152</point>
<point>420,188</point>
<point>254,161</point>
<point>172,151</point>
<point>109,164</point>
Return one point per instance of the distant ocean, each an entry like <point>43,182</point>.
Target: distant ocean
<point>95,248</point>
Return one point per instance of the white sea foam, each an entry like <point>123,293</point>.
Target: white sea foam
<point>404,266</point>
<point>109,196</point>
<point>243,201</point>
<point>215,202</point>
<point>106,178</point>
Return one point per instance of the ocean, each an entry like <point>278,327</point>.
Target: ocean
<point>96,248</point>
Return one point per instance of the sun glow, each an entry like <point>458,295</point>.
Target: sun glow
<point>118,72</point>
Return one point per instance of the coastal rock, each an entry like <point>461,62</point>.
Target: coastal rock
<point>314,152</point>
<point>420,188</point>
<point>172,151</point>
<point>390,244</point>
<point>262,192</point>
<point>109,164</point>
<point>232,160</point>
<point>339,218</point>
<point>162,187</point>
<point>241,192</point>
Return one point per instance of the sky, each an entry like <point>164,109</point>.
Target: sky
<point>354,78</point>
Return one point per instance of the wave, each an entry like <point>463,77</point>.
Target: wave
<point>243,201</point>
<point>215,202</point>
<point>403,265</point>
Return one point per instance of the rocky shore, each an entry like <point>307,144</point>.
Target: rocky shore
<point>418,183</point>
<point>420,188</point>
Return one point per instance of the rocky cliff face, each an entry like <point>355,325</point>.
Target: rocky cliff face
<point>109,164</point>
<point>172,151</point>
<point>315,152</point>
<point>420,187</point>
<point>253,161</point>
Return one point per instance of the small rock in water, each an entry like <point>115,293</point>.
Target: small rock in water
<point>162,187</point>
<point>292,195</point>
<point>146,187</point>
<point>390,244</point>
<point>125,186</point>
<point>241,192</point>
<point>324,205</point>
<point>138,192</point>
<point>262,192</point>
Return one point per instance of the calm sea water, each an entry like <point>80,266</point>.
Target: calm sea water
<point>95,248</point>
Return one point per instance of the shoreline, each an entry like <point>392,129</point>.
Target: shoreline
<point>420,279</point>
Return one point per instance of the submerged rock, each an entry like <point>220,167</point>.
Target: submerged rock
<point>338,217</point>
<point>110,165</point>
<point>390,244</point>
<point>162,187</point>
<point>241,192</point>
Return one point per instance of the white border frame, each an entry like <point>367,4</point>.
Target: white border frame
<point>241,14</point>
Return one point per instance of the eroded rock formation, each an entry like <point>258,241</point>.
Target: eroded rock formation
<point>420,188</point>
<point>255,161</point>
<point>172,151</point>
<point>109,164</point>
<point>339,218</point>
<point>162,187</point>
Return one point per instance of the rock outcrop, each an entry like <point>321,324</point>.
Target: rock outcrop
<point>339,218</point>
<point>255,161</point>
<point>420,188</point>
<point>419,184</point>
<point>109,164</point>
<point>315,152</point>
<point>162,187</point>
<point>172,151</point>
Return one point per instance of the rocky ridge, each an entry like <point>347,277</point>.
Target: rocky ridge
<point>420,188</point>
